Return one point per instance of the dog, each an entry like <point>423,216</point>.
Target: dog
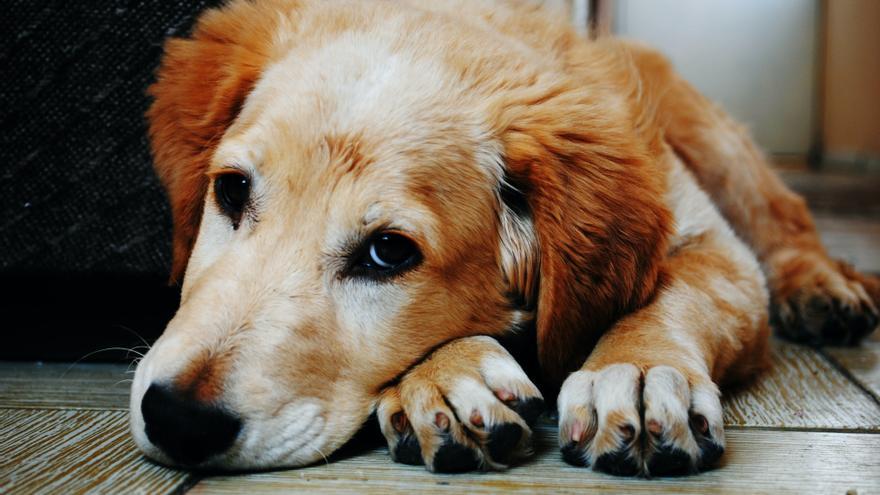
<point>443,212</point>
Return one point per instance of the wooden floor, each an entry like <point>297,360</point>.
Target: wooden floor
<point>811,424</point>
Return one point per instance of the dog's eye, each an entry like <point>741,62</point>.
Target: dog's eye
<point>390,250</point>
<point>387,254</point>
<point>232,191</point>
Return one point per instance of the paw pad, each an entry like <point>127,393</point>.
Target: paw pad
<point>408,451</point>
<point>529,409</point>
<point>618,463</point>
<point>572,454</point>
<point>503,440</point>
<point>669,461</point>
<point>452,457</point>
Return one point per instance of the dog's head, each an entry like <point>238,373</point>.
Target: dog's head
<point>353,189</point>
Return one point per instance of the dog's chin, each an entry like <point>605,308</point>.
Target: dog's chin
<point>229,463</point>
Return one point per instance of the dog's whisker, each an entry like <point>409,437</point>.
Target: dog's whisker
<point>134,363</point>
<point>106,349</point>
<point>326,461</point>
<point>136,334</point>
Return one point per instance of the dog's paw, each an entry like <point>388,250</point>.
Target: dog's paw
<point>468,406</point>
<point>607,420</point>
<point>818,301</point>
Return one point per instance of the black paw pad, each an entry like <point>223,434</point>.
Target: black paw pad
<point>408,451</point>
<point>834,331</point>
<point>787,327</point>
<point>710,453</point>
<point>503,440</point>
<point>860,323</point>
<point>572,454</point>
<point>530,409</point>
<point>669,461</point>
<point>454,457</point>
<point>872,320</point>
<point>617,463</point>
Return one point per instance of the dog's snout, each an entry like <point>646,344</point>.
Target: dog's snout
<point>187,430</point>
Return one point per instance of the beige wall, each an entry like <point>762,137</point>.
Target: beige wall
<point>852,79</point>
<point>758,58</point>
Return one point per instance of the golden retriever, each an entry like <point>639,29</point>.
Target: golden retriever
<point>437,211</point>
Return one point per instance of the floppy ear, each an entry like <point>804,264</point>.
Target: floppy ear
<point>200,88</point>
<point>596,204</point>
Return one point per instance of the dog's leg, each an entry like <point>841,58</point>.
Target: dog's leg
<point>814,298</point>
<point>646,400</point>
<point>468,405</point>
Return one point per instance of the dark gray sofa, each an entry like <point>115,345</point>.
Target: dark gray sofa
<point>84,224</point>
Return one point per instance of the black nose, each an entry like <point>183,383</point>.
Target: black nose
<point>187,430</point>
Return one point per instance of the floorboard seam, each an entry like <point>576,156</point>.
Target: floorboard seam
<point>806,429</point>
<point>187,484</point>
<point>61,408</point>
<point>849,375</point>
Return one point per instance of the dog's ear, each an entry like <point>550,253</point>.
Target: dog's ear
<point>201,85</point>
<point>595,203</point>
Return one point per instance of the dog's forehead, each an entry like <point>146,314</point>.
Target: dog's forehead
<point>347,85</point>
<point>361,99</point>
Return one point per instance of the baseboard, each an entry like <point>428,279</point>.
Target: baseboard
<point>851,162</point>
<point>65,317</point>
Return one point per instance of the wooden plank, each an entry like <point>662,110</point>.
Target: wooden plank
<point>801,390</point>
<point>862,362</point>
<point>64,386</point>
<point>57,451</point>
<point>757,461</point>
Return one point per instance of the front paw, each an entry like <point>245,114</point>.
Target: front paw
<point>468,406</point>
<point>607,420</point>
<point>818,301</point>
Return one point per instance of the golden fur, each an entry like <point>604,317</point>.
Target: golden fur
<point>548,181</point>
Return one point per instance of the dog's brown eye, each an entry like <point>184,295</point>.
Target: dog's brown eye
<point>232,192</point>
<point>386,254</point>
